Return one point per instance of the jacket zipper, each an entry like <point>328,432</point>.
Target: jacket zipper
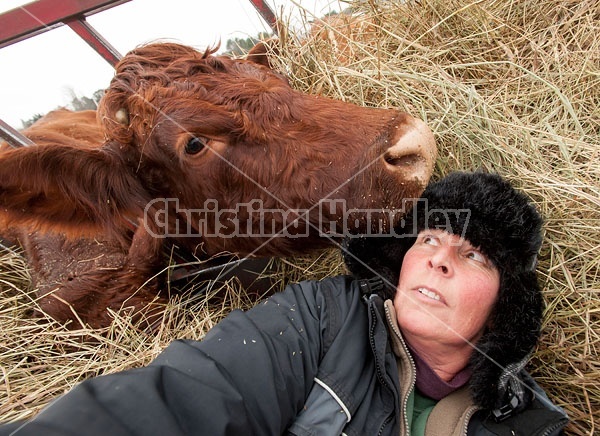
<point>467,419</point>
<point>414,369</point>
<point>378,370</point>
<point>551,428</point>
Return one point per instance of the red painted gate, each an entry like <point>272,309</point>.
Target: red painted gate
<point>42,15</point>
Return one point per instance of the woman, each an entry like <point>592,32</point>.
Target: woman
<point>429,337</point>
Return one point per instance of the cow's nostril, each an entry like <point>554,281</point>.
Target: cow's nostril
<point>412,157</point>
<point>403,160</point>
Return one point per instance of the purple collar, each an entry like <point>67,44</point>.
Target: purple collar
<point>431,385</point>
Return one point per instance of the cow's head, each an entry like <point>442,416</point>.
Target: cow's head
<point>216,148</point>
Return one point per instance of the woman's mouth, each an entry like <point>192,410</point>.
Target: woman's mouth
<point>429,294</point>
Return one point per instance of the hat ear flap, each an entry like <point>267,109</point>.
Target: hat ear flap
<point>368,257</point>
<point>514,333</point>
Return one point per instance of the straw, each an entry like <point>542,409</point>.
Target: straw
<point>506,86</point>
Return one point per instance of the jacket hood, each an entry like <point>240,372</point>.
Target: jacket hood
<point>487,211</point>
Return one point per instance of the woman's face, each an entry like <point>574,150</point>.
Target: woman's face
<point>446,291</point>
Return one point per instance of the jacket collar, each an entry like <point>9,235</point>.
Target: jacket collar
<point>452,413</point>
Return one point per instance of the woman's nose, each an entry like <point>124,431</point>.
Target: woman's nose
<point>441,261</point>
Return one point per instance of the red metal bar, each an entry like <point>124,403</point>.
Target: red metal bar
<point>43,15</point>
<point>267,13</point>
<point>95,40</point>
<point>13,137</point>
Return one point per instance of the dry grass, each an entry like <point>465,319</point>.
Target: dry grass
<point>509,86</point>
<point>512,87</point>
<point>40,360</point>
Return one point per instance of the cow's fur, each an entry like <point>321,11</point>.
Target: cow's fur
<point>181,130</point>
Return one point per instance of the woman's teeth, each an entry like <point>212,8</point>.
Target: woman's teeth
<point>429,294</point>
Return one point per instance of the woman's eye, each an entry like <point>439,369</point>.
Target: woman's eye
<point>428,239</point>
<point>477,256</point>
<point>195,145</point>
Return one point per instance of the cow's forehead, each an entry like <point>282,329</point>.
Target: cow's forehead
<point>207,78</point>
<point>152,79</point>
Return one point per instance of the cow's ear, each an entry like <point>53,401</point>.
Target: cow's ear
<point>264,51</point>
<point>72,190</point>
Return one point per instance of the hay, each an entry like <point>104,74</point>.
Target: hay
<point>41,360</point>
<point>508,86</point>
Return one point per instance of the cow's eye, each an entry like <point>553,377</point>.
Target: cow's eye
<point>195,145</point>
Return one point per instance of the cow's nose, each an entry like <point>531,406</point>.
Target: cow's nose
<point>413,155</point>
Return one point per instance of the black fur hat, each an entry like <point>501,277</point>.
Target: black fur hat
<point>487,211</point>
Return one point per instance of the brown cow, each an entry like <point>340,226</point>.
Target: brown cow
<point>217,154</point>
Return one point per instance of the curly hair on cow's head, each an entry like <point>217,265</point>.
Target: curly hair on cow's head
<point>127,99</point>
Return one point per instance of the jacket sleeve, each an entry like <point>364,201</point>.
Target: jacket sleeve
<point>250,375</point>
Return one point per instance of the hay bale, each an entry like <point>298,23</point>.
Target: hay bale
<point>511,87</point>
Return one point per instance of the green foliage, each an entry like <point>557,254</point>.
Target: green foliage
<point>76,104</point>
<point>240,46</point>
<point>30,121</point>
